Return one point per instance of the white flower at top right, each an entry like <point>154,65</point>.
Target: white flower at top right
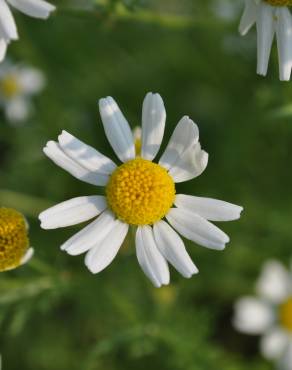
<point>272,17</point>
<point>269,314</point>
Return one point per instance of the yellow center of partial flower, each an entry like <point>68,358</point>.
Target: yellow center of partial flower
<point>9,86</point>
<point>13,238</point>
<point>286,314</point>
<point>279,2</point>
<point>140,192</point>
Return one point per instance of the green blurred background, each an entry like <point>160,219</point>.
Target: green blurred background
<point>54,314</point>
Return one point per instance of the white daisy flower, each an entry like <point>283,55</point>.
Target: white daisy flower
<point>8,31</point>
<point>271,17</point>
<point>14,243</point>
<point>269,314</point>
<point>18,83</point>
<point>139,192</point>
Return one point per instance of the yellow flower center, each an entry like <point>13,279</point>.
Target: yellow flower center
<point>279,2</point>
<point>286,314</point>
<point>9,86</point>
<point>140,192</point>
<point>13,238</point>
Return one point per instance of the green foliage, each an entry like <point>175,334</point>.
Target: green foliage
<point>55,315</point>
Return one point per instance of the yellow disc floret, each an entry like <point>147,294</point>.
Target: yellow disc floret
<point>140,192</point>
<point>13,238</point>
<point>286,314</point>
<point>9,86</point>
<point>279,2</point>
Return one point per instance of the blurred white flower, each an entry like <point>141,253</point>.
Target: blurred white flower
<point>8,31</point>
<point>269,314</point>
<point>272,17</point>
<point>18,83</point>
<point>139,192</point>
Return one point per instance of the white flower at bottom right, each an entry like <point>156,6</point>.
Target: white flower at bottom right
<point>269,314</point>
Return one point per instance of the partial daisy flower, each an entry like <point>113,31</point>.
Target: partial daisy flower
<point>271,17</point>
<point>14,243</point>
<point>18,83</point>
<point>269,314</point>
<point>140,193</point>
<point>8,31</point>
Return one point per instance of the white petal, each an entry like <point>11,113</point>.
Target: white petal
<point>33,8</point>
<point>265,35</point>
<point>3,49</point>
<point>249,17</point>
<point>186,134</point>
<point>273,343</point>
<point>274,283</point>
<point>85,155</point>
<point>31,80</point>
<point>153,124</point>
<point>56,154</point>
<point>17,110</point>
<point>284,41</point>
<point>252,316</point>
<point>72,212</point>
<point>197,229</point>
<point>172,248</point>
<point>285,362</point>
<point>117,129</point>
<point>190,165</point>
<point>210,209</point>
<point>27,257</point>
<point>150,259</point>
<point>105,250</point>
<point>92,234</point>
<point>8,26</point>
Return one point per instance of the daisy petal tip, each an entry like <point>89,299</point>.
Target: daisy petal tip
<point>46,226</point>
<point>52,8</point>
<point>240,210</point>
<point>160,284</point>
<point>94,269</point>
<point>49,145</point>
<point>70,252</point>
<point>191,273</point>
<point>42,223</point>
<point>225,243</point>
<point>63,133</point>
<point>102,103</point>
<point>242,31</point>
<point>28,256</point>
<point>285,77</point>
<point>107,106</point>
<point>222,246</point>
<point>63,247</point>
<point>205,157</point>
<point>195,271</point>
<point>90,269</point>
<point>261,73</point>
